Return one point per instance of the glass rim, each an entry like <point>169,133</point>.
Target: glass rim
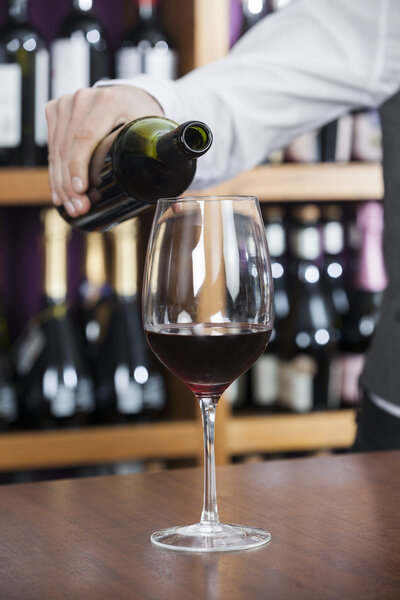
<point>207,198</point>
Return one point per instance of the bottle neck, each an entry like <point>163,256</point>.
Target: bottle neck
<point>82,5</point>
<point>18,10</point>
<point>95,265</point>
<point>55,238</point>
<point>371,272</point>
<point>333,237</point>
<point>148,12</point>
<point>189,140</point>
<point>124,238</point>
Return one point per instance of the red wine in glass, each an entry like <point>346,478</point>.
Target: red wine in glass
<point>208,357</point>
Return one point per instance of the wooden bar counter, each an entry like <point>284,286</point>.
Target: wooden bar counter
<point>335,524</point>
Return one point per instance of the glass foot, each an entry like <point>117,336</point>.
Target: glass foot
<point>210,538</point>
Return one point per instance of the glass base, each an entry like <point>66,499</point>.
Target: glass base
<point>210,538</point>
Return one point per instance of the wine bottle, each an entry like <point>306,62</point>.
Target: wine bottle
<point>95,295</point>
<point>129,382</point>
<point>310,332</point>
<point>55,378</point>
<point>337,140</point>
<point>80,53</point>
<point>367,138</point>
<point>265,373</point>
<point>147,49</point>
<point>24,90</point>
<point>132,167</point>
<point>334,270</point>
<point>334,257</point>
<point>365,295</point>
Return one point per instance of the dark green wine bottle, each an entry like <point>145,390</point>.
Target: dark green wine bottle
<point>138,163</point>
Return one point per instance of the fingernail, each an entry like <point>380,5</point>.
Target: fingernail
<point>77,184</point>
<point>78,204</point>
<point>70,208</point>
<point>54,198</point>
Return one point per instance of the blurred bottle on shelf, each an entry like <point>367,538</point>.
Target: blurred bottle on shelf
<point>304,149</point>
<point>129,383</point>
<point>367,283</point>
<point>310,332</point>
<point>336,139</point>
<point>79,54</point>
<point>147,48</point>
<point>95,295</point>
<point>334,271</point>
<point>333,235</point>
<point>367,136</point>
<point>56,387</point>
<point>24,90</point>
<point>265,373</point>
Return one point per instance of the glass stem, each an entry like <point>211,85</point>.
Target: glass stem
<point>208,406</point>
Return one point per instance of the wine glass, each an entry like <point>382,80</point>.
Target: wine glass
<point>208,315</point>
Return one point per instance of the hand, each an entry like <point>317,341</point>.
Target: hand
<point>76,123</point>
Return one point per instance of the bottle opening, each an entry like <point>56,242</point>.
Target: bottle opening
<point>197,138</point>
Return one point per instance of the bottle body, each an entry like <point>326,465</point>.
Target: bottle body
<point>80,53</point>
<point>129,382</point>
<point>146,49</point>
<point>24,90</point>
<point>367,285</point>
<point>310,332</point>
<point>135,165</point>
<point>56,384</point>
<point>266,371</point>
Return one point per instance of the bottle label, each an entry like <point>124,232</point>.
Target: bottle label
<point>265,375</point>
<point>10,105</point>
<point>161,64</point>
<point>352,365</point>
<point>41,95</point>
<point>62,404</point>
<point>128,63</point>
<point>297,383</point>
<point>70,65</point>
<point>154,392</point>
<point>130,400</point>
<point>8,404</point>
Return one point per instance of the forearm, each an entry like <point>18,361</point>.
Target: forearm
<point>296,70</point>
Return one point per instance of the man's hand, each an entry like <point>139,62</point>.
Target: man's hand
<point>76,124</point>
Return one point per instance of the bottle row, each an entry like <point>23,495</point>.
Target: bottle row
<point>329,277</point>
<point>86,360</point>
<point>88,363</point>
<point>33,70</point>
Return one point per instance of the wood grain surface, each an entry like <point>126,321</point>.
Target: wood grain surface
<point>334,521</point>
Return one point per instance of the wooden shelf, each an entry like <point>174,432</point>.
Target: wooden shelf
<point>177,439</point>
<point>308,182</point>
<point>90,445</point>
<point>290,433</point>
<point>270,183</point>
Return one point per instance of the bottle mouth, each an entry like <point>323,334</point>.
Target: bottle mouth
<point>197,137</point>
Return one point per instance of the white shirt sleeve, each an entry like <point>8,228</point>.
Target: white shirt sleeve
<point>294,71</point>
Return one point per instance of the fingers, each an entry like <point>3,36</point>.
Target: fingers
<point>76,124</point>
